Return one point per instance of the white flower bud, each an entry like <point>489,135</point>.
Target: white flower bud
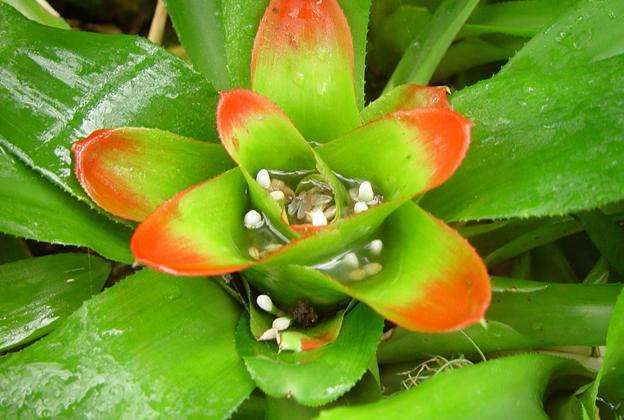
<point>263,178</point>
<point>318,218</point>
<point>360,207</point>
<point>265,303</point>
<point>253,220</point>
<point>281,323</point>
<point>270,334</point>
<point>351,260</point>
<point>365,192</point>
<point>375,246</point>
<point>277,195</point>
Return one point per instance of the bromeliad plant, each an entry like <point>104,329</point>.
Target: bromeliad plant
<point>305,222</point>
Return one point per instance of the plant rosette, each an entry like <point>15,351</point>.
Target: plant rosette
<point>319,208</point>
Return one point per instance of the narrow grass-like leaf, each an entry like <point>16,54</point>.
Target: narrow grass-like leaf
<point>37,293</point>
<point>199,26</point>
<point>317,376</point>
<point>428,47</point>
<point>41,211</point>
<point>59,86</point>
<point>523,315</point>
<point>152,345</point>
<point>607,236</point>
<point>510,388</point>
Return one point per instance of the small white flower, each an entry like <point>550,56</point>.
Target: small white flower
<point>270,334</point>
<point>351,260</point>
<point>281,323</point>
<point>265,303</point>
<point>365,192</point>
<point>277,195</point>
<point>263,178</point>
<point>375,246</point>
<point>318,218</point>
<point>360,207</point>
<point>253,220</point>
<point>372,268</point>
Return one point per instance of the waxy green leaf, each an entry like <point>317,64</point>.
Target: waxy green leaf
<point>37,293</point>
<point>607,235</point>
<point>563,152</point>
<point>58,86</point>
<point>199,26</point>
<point>35,11</point>
<point>317,376</point>
<point>152,345</point>
<point>41,211</point>
<point>131,171</point>
<point>523,315</point>
<point>511,388</point>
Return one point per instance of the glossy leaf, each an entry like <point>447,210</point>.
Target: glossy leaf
<point>511,388</point>
<point>151,345</point>
<point>198,232</point>
<point>428,47</point>
<point>588,32</point>
<point>523,315</point>
<point>303,61</point>
<point>199,26</point>
<point>37,293</point>
<point>317,376</point>
<point>540,161</point>
<point>131,171</point>
<point>35,11</point>
<point>81,82</point>
<point>12,249</point>
<point>39,210</point>
<point>405,98</point>
<point>404,153</point>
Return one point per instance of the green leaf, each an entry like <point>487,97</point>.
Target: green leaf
<point>591,31</point>
<point>543,144</point>
<point>150,345</point>
<point>609,383</point>
<point>59,86</point>
<point>521,18</point>
<point>34,11</point>
<point>199,26</point>
<point>131,171</point>
<point>39,210</point>
<point>428,47</point>
<point>317,376</point>
<point>523,315</point>
<point>37,293</point>
<point>607,236</point>
<point>510,388</point>
<point>12,249</point>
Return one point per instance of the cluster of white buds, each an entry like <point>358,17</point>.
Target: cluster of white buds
<point>364,196</point>
<point>281,323</point>
<point>276,188</point>
<point>359,271</point>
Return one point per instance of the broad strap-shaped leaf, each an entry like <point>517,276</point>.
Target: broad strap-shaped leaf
<point>35,11</point>
<point>404,153</point>
<point>303,60</point>
<point>523,315</point>
<point>131,171</point>
<point>316,376</point>
<point>58,86</point>
<point>150,346</point>
<point>511,388</point>
<point>198,232</point>
<point>33,208</point>
<point>37,293</point>
<point>562,153</point>
<point>406,98</point>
